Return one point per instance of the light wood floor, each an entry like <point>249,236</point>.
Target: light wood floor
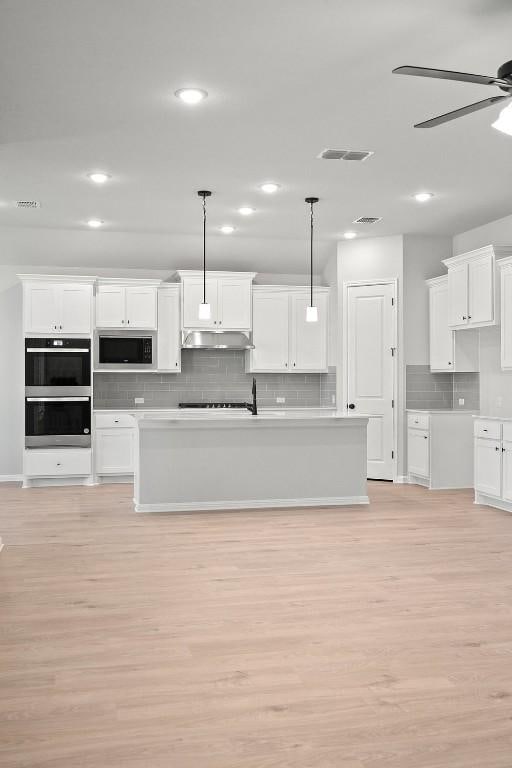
<point>362,637</point>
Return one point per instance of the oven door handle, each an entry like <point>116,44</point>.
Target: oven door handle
<point>61,349</point>
<point>57,399</point>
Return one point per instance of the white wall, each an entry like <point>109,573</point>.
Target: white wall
<point>497,232</point>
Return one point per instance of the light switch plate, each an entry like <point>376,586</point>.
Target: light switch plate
<point>139,401</point>
<point>461,401</point>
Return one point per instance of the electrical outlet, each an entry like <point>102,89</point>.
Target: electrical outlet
<point>333,399</point>
<point>281,400</point>
<point>139,401</point>
<point>461,401</point>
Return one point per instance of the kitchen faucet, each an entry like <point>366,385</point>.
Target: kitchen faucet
<point>253,407</point>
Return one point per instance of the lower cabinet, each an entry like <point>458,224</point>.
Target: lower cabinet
<point>418,452</point>
<point>440,449</point>
<point>56,462</point>
<point>493,463</point>
<point>114,439</point>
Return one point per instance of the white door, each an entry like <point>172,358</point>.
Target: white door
<point>114,451</point>
<point>270,331</point>
<point>506,457</point>
<point>418,452</point>
<point>193,296</point>
<point>308,341</point>
<point>506,318</point>
<point>75,306</point>
<point>371,328</point>
<point>169,349</point>
<point>441,336</point>
<point>40,308</point>
<point>488,466</point>
<point>140,306</point>
<point>458,295</point>
<point>110,306</point>
<point>481,290</point>
<point>234,304</point>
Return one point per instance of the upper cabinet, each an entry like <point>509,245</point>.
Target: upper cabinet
<point>127,304</point>
<point>450,351</point>
<point>505,271</point>
<point>283,340</point>
<point>227,293</point>
<point>472,292</point>
<point>169,326</point>
<point>52,306</point>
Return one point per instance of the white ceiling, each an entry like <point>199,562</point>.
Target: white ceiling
<point>89,85</point>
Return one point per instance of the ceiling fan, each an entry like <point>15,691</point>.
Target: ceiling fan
<point>503,80</point>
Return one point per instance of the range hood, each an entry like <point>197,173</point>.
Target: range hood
<point>216,340</point>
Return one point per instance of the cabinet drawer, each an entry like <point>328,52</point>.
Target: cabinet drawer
<point>487,428</point>
<point>57,462</point>
<point>113,420</point>
<point>418,420</point>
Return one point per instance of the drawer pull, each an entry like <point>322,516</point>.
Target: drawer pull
<point>484,430</point>
<point>425,437</point>
<point>58,463</point>
<point>497,448</point>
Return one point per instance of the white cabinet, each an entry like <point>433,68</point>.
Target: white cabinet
<point>488,466</point>
<point>229,296</point>
<point>440,448</point>
<point>505,270</point>
<point>168,339</point>
<point>472,284</point>
<point>55,308</point>
<point>418,456</point>
<point>450,351</point>
<point>493,463</point>
<point>127,306</point>
<point>283,340</point>
<point>114,441</point>
<point>57,462</point>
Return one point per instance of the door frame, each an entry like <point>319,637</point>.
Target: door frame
<point>358,284</point>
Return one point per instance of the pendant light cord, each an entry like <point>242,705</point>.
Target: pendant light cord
<point>204,249</point>
<point>311,252</point>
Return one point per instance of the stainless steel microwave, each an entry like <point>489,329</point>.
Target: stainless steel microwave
<point>118,351</point>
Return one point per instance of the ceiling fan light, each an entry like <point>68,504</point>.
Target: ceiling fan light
<point>504,121</point>
<point>205,311</point>
<point>311,314</point>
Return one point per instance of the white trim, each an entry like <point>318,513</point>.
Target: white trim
<point>441,280</point>
<point>185,273</point>
<point>39,278</point>
<point>45,482</point>
<point>497,250</point>
<point>491,501</point>
<point>396,390</point>
<point>401,480</point>
<point>197,506</point>
<point>11,478</point>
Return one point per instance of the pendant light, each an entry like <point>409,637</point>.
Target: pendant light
<point>311,311</point>
<point>205,311</point>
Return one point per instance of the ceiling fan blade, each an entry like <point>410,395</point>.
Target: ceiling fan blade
<point>446,74</point>
<point>461,112</point>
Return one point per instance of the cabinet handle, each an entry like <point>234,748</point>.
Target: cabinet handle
<point>220,322</point>
<point>497,448</point>
<point>464,317</point>
<point>469,317</point>
<point>425,437</point>
<point>286,365</point>
<point>122,322</point>
<point>503,450</point>
<point>58,463</point>
<point>294,365</point>
<point>116,421</point>
<point>449,363</point>
<point>128,322</point>
<point>176,364</point>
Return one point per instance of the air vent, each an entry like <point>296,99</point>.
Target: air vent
<point>367,220</point>
<point>345,154</point>
<point>28,204</point>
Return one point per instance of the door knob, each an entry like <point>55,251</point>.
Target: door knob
<point>351,406</point>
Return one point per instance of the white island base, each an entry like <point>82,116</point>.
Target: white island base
<point>208,462</point>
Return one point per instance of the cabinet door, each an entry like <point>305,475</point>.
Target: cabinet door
<point>418,452</point>
<point>270,331</point>
<point>481,290</point>
<point>193,296</point>
<point>506,458</point>
<point>458,295</point>
<point>234,304</point>
<point>75,308</point>
<point>506,318</point>
<point>441,336</point>
<point>110,306</point>
<point>169,348</point>
<point>40,308</point>
<point>488,466</point>
<point>308,341</point>
<point>141,307</point>
<point>114,451</point>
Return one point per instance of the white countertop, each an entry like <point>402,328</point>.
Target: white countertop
<point>451,411</point>
<point>225,416</point>
<point>492,418</point>
<point>142,409</point>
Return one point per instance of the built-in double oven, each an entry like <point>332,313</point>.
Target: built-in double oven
<point>57,392</point>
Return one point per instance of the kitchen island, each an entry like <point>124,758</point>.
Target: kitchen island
<point>213,461</point>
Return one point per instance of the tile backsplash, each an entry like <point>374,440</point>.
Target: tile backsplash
<point>208,375</point>
<point>441,390</point>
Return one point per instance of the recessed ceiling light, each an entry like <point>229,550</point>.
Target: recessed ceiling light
<point>191,95</point>
<point>245,210</point>
<point>423,197</point>
<point>349,235</point>
<point>95,223</point>
<point>98,177</point>
<point>227,229</point>
<point>270,187</point>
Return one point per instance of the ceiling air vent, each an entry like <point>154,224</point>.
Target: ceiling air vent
<point>367,220</point>
<point>28,204</point>
<point>345,154</point>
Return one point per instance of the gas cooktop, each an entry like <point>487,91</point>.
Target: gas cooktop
<point>212,405</point>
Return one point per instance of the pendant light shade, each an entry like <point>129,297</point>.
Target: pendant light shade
<point>205,311</point>
<point>311,311</point>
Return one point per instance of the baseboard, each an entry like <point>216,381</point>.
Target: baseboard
<point>197,506</point>
<point>50,482</point>
<point>401,480</point>
<point>11,478</point>
<point>491,501</point>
